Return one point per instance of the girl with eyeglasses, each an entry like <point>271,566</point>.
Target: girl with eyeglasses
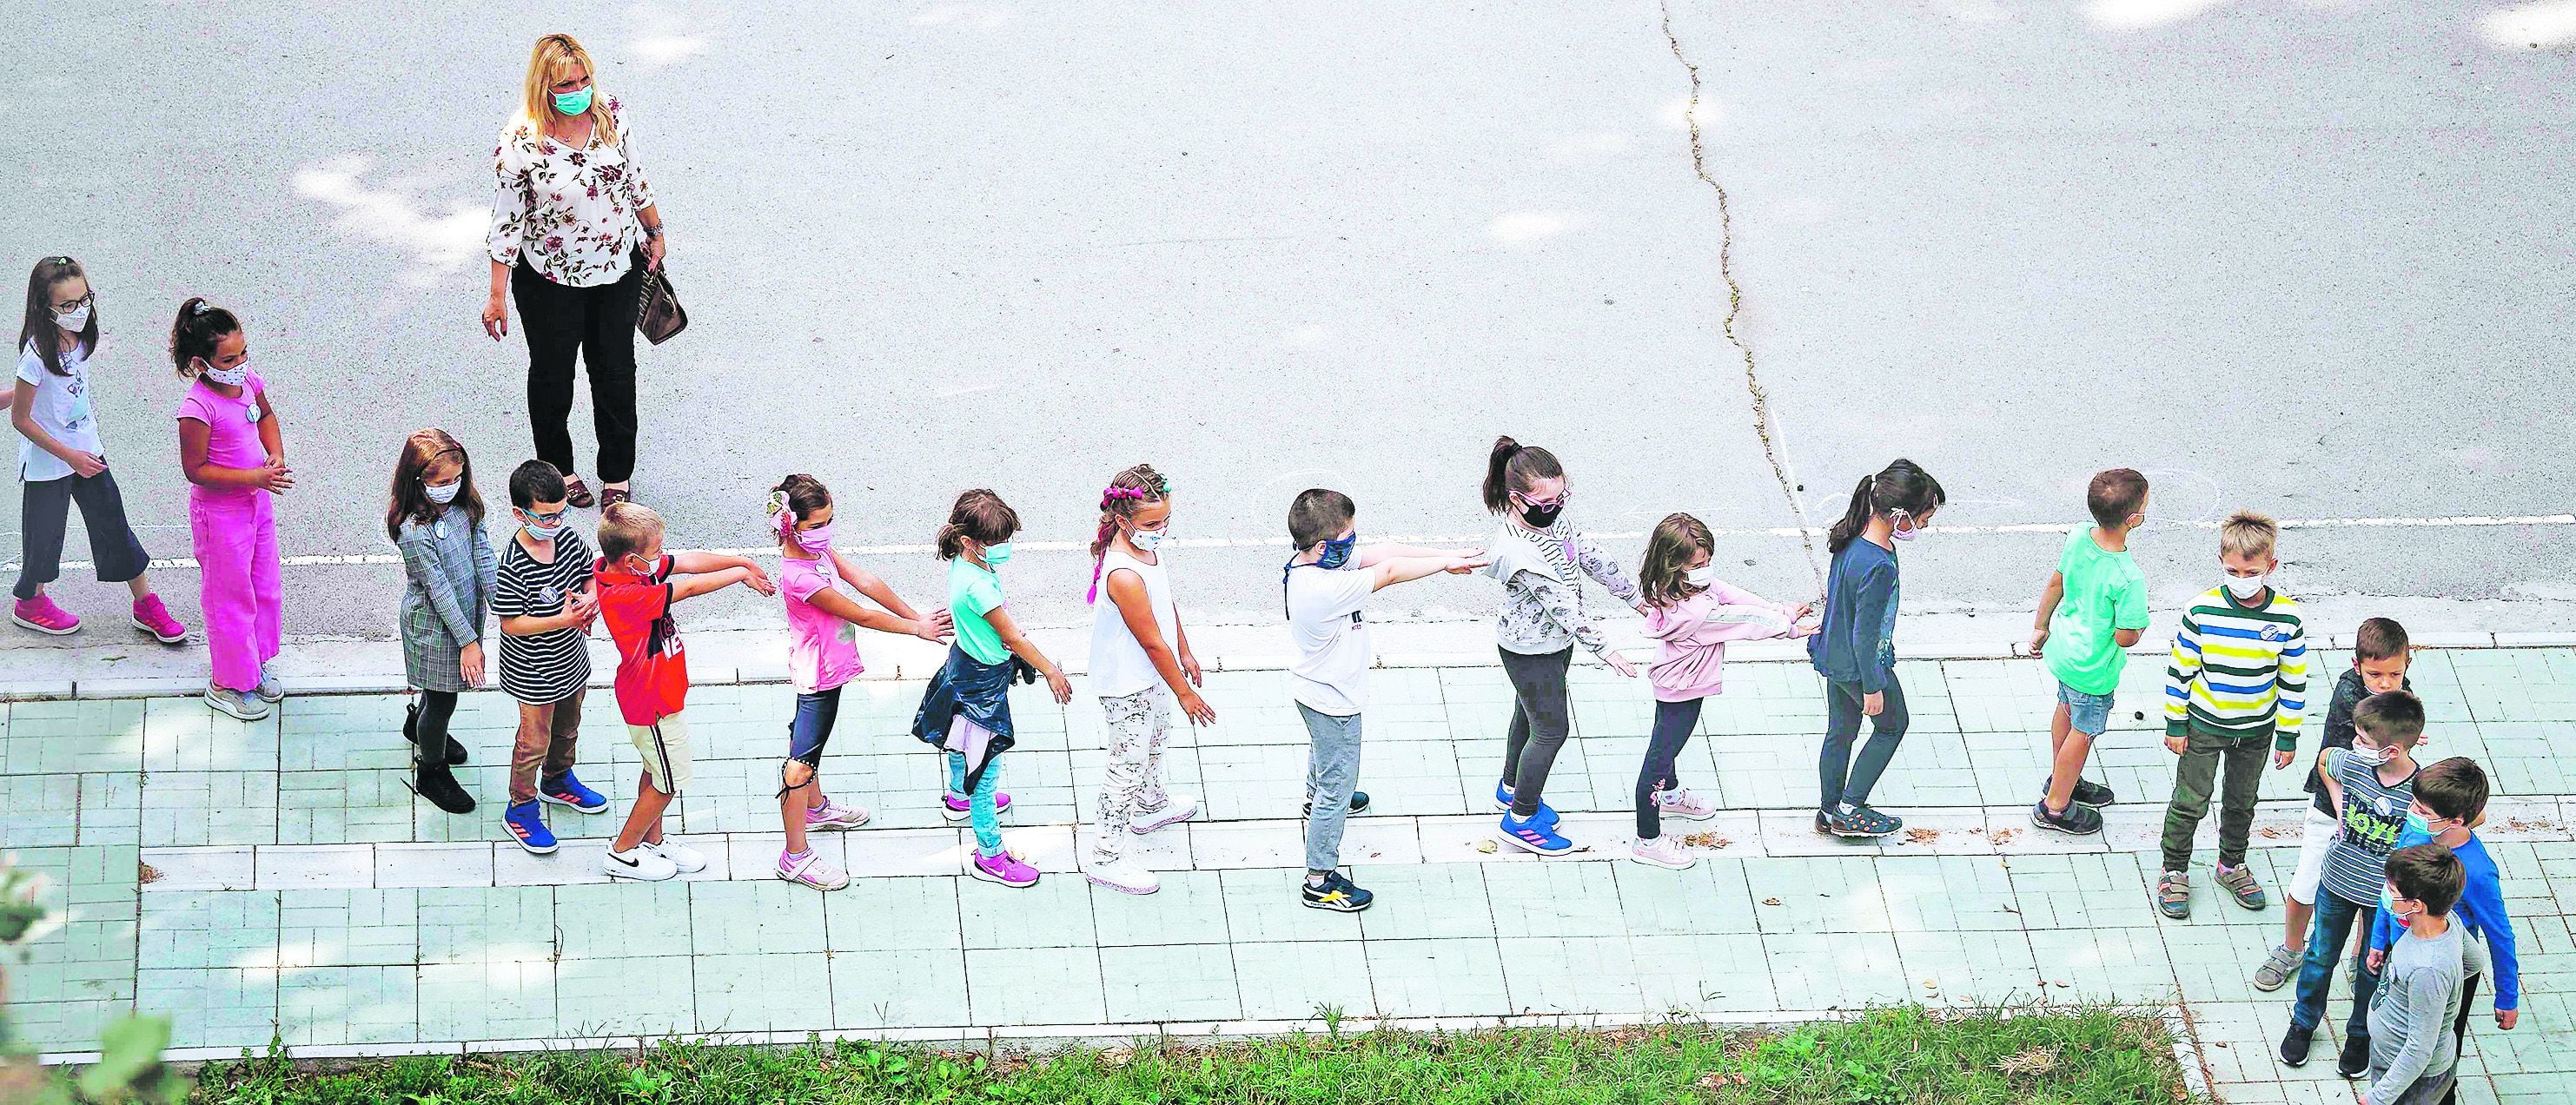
<point>233,452</point>
<point>61,460</point>
<point>435,516</point>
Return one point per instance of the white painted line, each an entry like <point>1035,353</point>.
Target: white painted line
<point>2474,521</point>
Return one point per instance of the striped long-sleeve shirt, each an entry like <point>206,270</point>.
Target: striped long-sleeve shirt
<point>2238,670</point>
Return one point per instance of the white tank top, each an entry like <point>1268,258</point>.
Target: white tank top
<point>1119,666</point>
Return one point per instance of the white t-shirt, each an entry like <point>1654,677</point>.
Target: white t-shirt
<point>62,407</point>
<point>1333,657</point>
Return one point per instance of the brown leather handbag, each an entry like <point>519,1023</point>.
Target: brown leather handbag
<point>659,314</point>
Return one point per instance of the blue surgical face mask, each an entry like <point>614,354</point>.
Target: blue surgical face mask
<point>997,555</point>
<point>2415,823</point>
<point>573,103</point>
<point>1337,551</point>
<point>545,533</point>
<point>2388,902</point>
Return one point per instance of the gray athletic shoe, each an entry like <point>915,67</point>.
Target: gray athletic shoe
<point>2277,969</point>
<point>236,704</point>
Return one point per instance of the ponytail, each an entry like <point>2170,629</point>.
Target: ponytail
<point>1514,467</point>
<point>978,515</point>
<point>194,333</point>
<point>794,500</point>
<point>1901,486</point>
<point>1127,491</point>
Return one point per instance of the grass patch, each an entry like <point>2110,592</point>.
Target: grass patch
<point>1894,1056</point>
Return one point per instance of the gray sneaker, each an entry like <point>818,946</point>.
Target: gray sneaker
<point>2277,969</point>
<point>270,688</point>
<point>236,704</point>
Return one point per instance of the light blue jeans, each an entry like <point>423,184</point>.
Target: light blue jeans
<point>1332,769</point>
<point>982,814</point>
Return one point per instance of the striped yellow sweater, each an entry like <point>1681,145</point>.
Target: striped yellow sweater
<point>2238,670</point>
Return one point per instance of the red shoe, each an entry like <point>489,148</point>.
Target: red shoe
<point>153,618</point>
<point>40,614</point>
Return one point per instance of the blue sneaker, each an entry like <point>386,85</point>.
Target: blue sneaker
<point>1535,836</point>
<point>1503,797</point>
<point>568,791</point>
<point>527,825</point>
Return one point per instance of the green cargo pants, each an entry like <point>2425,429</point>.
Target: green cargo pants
<point>2197,775</point>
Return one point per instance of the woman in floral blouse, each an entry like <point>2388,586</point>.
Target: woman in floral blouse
<point>570,218</point>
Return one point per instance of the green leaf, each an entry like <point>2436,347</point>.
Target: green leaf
<point>129,1055</point>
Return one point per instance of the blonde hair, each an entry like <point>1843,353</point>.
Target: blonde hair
<point>552,57</point>
<point>2246,533</point>
<point>627,528</point>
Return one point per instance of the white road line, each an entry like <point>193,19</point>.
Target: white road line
<point>2470,521</point>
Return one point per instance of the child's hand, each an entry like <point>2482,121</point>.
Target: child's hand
<point>936,628</point>
<point>2282,758</point>
<point>1618,663</point>
<point>1059,686</point>
<point>579,608</point>
<point>759,580</point>
<point>1799,612</point>
<point>1190,671</point>
<point>86,465</point>
<point>2507,1018</point>
<point>275,477</point>
<point>1872,703</point>
<point>2176,742</point>
<point>469,664</point>
<point>1465,564</point>
<point>2038,637</point>
<point>2376,958</point>
<point>1197,708</point>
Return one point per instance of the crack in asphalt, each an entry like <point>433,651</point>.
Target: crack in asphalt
<point>1761,397</point>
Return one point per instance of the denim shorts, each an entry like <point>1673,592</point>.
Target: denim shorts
<point>811,728</point>
<point>2090,714</point>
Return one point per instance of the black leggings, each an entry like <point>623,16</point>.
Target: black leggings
<point>1673,724</point>
<point>1540,722</point>
<point>429,730</point>
<point>598,324</point>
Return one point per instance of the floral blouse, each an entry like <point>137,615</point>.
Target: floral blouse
<point>570,213</point>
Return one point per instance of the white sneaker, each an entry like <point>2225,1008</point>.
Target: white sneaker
<point>1663,851</point>
<point>1176,808</point>
<point>242,705</point>
<point>271,688</point>
<point>642,864</point>
<point>688,860</point>
<point>1681,803</point>
<point>1123,875</point>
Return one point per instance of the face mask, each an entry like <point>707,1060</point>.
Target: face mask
<point>443,493</point>
<point>1540,518</point>
<point>997,555</point>
<point>2388,902</point>
<point>817,540</point>
<point>2246,587</point>
<point>573,103</point>
<point>2416,823</point>
<point>1337,551</point>
<point>543,532</point>
<point>1701,576</point>
<point>236,376</point>
<point>75,321</point>
<point>1900,531</point>
<point>2371,756</point>
<point>1147,540</point>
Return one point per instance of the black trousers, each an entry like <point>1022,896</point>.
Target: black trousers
<point>598,325</point>
<point>1673,724</point>
<point>45,506</point>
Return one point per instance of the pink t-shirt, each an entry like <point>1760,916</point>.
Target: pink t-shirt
<point>822,650</point>
<point>232,430</point>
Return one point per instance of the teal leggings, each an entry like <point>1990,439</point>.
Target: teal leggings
<point>986,819</point>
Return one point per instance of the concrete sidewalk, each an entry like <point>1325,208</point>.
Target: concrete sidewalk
<point>278,878</point>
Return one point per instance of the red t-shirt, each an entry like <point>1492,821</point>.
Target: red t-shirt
<point>652,672</point>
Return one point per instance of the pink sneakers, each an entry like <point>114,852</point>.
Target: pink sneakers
<point>1006,869</point>
<point>40,614</point>
<point>834,815</point>
<point>153,618</point>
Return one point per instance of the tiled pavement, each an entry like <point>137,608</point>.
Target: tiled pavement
<point>295,888</point>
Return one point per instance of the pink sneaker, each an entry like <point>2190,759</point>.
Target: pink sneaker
<point>834,815</point>
<point>811,870</point>
<point>40,614</point>
<point>1682,804</point>
<point>955,807</point>
<point>153,618</point>
<point>1005,869</point>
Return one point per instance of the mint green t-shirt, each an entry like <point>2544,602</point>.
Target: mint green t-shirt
<point>2105,593</point>
<point>972,593</point>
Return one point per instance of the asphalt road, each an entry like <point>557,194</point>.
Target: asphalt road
<point>2305,257</point>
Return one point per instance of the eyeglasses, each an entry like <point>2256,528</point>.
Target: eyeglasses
<point>70,305</point>
<point>1562,498</point>
<point>545,519</point>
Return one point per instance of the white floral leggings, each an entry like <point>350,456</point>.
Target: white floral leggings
<point>1140,725</point>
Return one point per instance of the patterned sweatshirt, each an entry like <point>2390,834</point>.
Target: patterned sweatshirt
<point>2238,670</point>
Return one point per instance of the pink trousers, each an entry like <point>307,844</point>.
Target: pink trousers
<point>238,588</point>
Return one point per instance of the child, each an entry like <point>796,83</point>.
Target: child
<point>2378,664</point>
<point>435,516</point>
<point>2450,800</point>
<point>1855,648</point>
<point>822,657</point>
<point>2431,973</point>
<point>2371,785</point>
<point>60,460</point>
<point>2099,598</point>
<point>636,593</point>
<point>1694,614</point>
<point>1541,562</point>
<point>1140,661</point>
<point>2238,684</point>
<point>546,598</point>
<point>966,710</point>
<point>1329,681</point>
<point>233,453</point>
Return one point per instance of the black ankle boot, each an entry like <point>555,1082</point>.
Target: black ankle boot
<point>435,782</point>
<point>455,754</point>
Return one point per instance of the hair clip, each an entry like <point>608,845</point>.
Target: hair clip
<point>202,307</point>
<point>1122,493</point>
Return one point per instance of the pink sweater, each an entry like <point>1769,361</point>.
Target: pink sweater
<point>1694,633</point>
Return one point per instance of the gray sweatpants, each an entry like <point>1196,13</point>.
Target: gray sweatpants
<point>1332,771</point>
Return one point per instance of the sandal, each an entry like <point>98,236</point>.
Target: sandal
<point>577,494</point>
<point>2239,883</point>
<point>2173,895</point>
<point>611,496</point>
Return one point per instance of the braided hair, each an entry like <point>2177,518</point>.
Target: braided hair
<point>1127,492</point>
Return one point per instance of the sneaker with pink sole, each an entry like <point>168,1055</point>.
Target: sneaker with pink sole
<point>1685,805</point>
<point>1006,869</point>
<point>154,619</point>
<point>955,807</point>
<point>1175,809</point>
<point>811,870</point>
<point>40,614</point>
<point>835,816</point>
